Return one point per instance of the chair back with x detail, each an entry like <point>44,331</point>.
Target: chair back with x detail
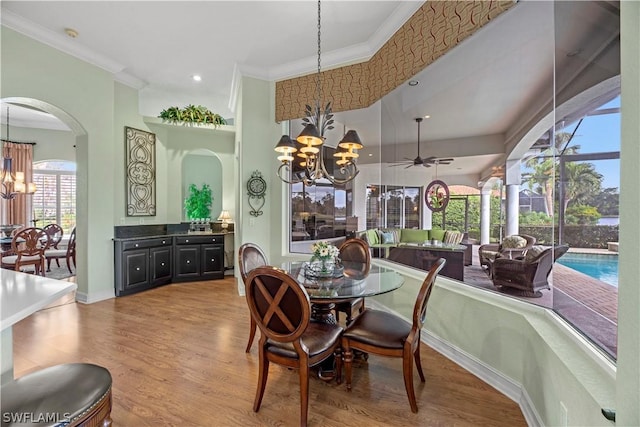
<point>386,334</point>
<point>282,310</point>
<point>250,256</point>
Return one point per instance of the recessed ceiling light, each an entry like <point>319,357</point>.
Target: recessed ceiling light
<point>71,32</point>
<point>413,83</point>
<point>370,154</point>
<point>427,116</point>
<point>196,78</point>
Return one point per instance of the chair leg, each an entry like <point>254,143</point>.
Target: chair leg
<point>263,372</point>
<point>416,357</point>
<point>304,391</point>
<point>348,362</point>
<point>69,264</point>
<point>407,371</point>
<point>338,358</point>
<point>48,265</point>
<point>252,334</point>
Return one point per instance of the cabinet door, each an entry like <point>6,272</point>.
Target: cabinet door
<point>161,270</point>
<point>135,269</point>
<point>212,261</point>
<point>187,262</point>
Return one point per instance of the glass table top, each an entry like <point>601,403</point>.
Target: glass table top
<point>353,282</point>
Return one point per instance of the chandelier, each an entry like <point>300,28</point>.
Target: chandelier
<point>308,165</point>
<point>12,182</point>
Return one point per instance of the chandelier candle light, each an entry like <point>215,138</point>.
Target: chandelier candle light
<point>13,183</point>
<point>310,154</point>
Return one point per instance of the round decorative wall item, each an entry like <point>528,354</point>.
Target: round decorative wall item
<point>436,196</point>
<point>256,189</point>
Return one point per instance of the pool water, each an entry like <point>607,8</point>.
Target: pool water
<point>601,267</point>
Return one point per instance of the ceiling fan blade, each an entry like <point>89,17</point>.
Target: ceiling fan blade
<point>400,164</point>
<point>408,166</point>
<point>427,165</point>
<point>446,160</point>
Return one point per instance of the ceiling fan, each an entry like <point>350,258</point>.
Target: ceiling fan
<point>419,161</point>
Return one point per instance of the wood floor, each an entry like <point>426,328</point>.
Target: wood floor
<point>177,358</point>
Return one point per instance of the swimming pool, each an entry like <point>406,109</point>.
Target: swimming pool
<point>601,267</point>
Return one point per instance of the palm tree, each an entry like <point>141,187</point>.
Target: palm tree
<point>544,174</point>
<point>581,181</point>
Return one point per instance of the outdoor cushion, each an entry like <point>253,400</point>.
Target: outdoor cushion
<point>452,237</point>
<point>387,237</point>
<point>409,235</point>
<point>534,252</point>
<point>372,236</point>
<point>395,232</point>
<point>514,242</point>
<point>437,234</point>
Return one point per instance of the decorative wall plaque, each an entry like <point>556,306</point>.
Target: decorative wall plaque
<point>436,196</point>
<point>256,189</point>
<point>140,162</point>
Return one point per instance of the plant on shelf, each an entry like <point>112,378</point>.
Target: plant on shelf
<point>192,114</point>
<point>198,204</point>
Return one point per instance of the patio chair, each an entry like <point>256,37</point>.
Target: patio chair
<point>528,273</point>
<point>511,247</point>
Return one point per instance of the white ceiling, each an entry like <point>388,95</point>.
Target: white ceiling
<point>482,87</point>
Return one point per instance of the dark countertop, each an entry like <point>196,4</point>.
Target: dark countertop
<point>160,236</point>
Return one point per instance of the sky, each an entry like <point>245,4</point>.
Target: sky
<point>597,134</point>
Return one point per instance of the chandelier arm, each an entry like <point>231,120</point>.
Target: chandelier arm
<point>286,167</point>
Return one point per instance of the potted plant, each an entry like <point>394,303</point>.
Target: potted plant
<point>198,204</point>
<point>192,114</point>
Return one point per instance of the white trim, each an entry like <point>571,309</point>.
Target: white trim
<point>86,298</point>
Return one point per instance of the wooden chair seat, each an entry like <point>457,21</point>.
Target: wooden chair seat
<point>281,308</point>
<point>68,254</point>
<point>386,334</point>
<point>75,393</point>
<point>27,248</point>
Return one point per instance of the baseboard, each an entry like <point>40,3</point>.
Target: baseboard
<point>94,297</point>
<point>486,373</point>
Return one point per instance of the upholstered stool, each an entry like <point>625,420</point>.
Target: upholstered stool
<point>73,394</point>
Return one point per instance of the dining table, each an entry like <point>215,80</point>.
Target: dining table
<point>348,280</point>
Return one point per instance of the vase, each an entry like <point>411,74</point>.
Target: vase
<point>326,266</point>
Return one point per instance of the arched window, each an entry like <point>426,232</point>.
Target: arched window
<point>55,199</point>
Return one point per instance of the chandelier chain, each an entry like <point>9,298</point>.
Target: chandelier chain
<point>318,85</point>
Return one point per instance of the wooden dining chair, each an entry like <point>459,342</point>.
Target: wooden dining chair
<point>250,256</point>
<point>385,334</point>
<point>27,248</point>
<point>281,308</point>
<point>355,255</point>
<point>69,254</point>
<point>55,233</point>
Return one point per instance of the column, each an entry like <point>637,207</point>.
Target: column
<point>485,215</point>
<point>512,209</point>
<point>512,202</point>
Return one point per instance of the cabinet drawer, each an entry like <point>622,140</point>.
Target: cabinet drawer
<point>149,243</point>
<point>198,240</point>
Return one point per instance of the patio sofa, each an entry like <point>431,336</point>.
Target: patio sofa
<point>382,239</point>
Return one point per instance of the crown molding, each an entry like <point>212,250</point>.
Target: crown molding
<point>341,57</point>
<point>64,43</point>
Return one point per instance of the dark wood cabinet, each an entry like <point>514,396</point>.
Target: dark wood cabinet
<point>142,264</point>
<point>198,258</point>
